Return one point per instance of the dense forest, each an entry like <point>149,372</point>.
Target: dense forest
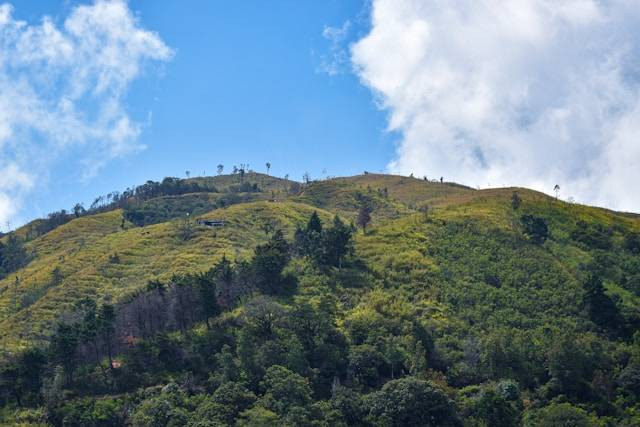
<point>365,301</point>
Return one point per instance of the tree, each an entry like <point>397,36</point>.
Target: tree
<point>307,240</point>
<point>21,375</point>
<point>412,402</point>
<point>268,262</point>
<point>208,298</point>
<point>495,409</point>
<point>632,242</point>
<point>364,216</point>
<point>13,255</point>
<point>336,243</point>
<point>78,210</point>
<point>268,165</point>
<point>164,410</point>
<point>220,169</point>
<point>556,189</point>
<point>187,173</point>
<point>227,402</point>
<point>601,308</point>
<point>185,229</point>
<point>516,201</point>
<point>365,364</point>
<point>284,390</point>
<point>306,177</point>
<point>535,227</point>
<point>224,275</point>
<point>88,330</point>
<point>559,415</point>
<point>106,329</point>
<point>348,403</point>
<point>63,348</point>
<point>314,224</point>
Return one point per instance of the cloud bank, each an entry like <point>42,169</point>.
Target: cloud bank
<point>62,89</point>
<point>527,92</point>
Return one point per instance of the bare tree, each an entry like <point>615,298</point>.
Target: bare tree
<point>364,216</point>
<point>185,229</point>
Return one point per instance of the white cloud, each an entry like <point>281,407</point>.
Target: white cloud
<point>337,58</point>
<point>62,87</point>
<point>526,92</point>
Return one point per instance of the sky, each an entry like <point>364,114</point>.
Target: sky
<point>97,96</point>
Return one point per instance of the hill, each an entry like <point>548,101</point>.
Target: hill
<point>507,306</point>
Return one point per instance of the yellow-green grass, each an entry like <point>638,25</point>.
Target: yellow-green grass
<point>345,200</point>
<point>480,236</point>
<point>407,190</point>
<point>266,183</point>
<point>85,250</point>
<point>98,257</point>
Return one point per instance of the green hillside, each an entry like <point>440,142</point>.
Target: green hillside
<point>457,306</point>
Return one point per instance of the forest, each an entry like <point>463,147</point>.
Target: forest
<point>351,306</point>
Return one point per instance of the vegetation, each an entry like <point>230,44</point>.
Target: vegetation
<point>498,308</point>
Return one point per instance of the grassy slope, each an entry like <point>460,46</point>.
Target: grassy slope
<point>458,251</point>
<point>82,249</point>
<point>467,239</point>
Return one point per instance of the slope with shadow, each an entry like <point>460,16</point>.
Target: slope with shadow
<point>94,256</point>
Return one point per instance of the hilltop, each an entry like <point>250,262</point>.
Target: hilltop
<point>506,304</point>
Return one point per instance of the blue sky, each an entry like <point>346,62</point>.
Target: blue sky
<point>245,85</point>
<point>99,95</point>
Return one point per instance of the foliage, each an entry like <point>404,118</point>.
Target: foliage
<point>441,319</point>
<point>411,402</point>
<point>559,415</point>
<point>13,255</point>
<point>535,227</point>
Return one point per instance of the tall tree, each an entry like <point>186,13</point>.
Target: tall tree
<point>224,276</point>
<point>208,298</point>
<point>268,262</point>
<point>268,165</point>
<point>63,349</point>
<point>314,224</point>
<point>220,169</point>
<point>601,308</point>
<point>106,329</point>
<point>337,243</point>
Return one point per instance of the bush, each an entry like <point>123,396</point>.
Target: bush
<point>559,415</point>
<point>592,235</point>
<point>535,227</point>
<point>412,402</point>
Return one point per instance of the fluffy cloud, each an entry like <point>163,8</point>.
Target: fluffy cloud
<point>62,88</point>
<point>527,92</point>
